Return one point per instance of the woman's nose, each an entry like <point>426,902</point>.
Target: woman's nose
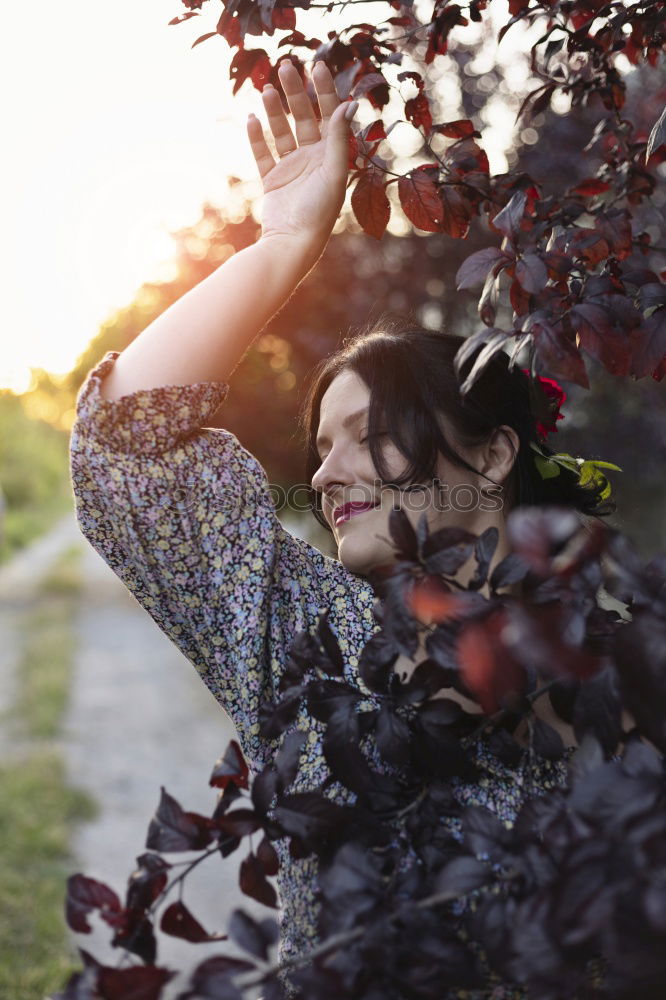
<point>330,473</point>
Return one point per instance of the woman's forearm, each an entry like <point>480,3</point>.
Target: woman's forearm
<point>203,336</point>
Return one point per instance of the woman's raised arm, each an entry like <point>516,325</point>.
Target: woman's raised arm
<point>204,335</point>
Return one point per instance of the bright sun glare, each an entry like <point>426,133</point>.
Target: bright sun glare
<point>119,133</point>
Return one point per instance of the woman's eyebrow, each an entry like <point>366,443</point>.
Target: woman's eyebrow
<point>347,422</point>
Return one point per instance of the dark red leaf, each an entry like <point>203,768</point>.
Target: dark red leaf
<point>536,102</point>
<point>597,335</point>
<point>446,18</point>
<point>231,767</point>
<point>268,856</point>
<point>411,75</point>
<point>84,895</point>
<point>406,21</point>
<point>179,922</point>
<point>402,532</point>
<point>591,186</point>
<point>461,129</point>
<point>457,211</point>
<point>146,883</point>
<point>230,29</point>
<point>589,246</point>
<point>374,131</point>
<point>649,348</point>
<point>172,829</point>
<point>284,17</point>
<point>615,227</point>
<point>368,82</point>
<point>557,354</point>
<point>252,63</point>
<point>417,111</point>
<point>135,933</point>
<point>431,601</point>
<point>185,17</point>
<point>558,264</point>
<point>466,160</point>
<point>253,882</point>
<point>370,203</point>
<point>202,38</point>
<point>519,298</point>
<point>420,199</point>
<point>487,668</point>
<point>239,822</point>
<point>139,982</point>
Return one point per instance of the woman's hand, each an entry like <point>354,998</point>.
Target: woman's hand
<point>304,184</point>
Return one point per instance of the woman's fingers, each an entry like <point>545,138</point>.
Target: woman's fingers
<point>277,120</point>
<point>262,154</point>
<point>336,156</point>
<point>307,127</point>
<point>326,94</point>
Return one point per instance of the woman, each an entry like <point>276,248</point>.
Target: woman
<point>183,515</point>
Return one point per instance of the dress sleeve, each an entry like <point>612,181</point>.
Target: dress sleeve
<point>183,515</point>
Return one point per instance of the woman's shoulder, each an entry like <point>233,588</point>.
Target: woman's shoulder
<point>147,421</point>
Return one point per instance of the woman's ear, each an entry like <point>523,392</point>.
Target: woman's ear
<point>500,452</point>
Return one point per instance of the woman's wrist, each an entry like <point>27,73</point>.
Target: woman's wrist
<point>302,250</point>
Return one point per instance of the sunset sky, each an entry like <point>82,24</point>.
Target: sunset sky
<point>115,132</point>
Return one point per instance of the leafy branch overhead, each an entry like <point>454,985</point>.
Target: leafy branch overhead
<point>575,271</point>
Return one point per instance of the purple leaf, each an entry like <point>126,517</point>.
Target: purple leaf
<point>476,267</point>
<point>531,272</point>
<point>509,219</point>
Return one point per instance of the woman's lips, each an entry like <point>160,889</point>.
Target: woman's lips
<point>350,510</point>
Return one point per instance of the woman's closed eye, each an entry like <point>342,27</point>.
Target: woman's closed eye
<point>378,434</point>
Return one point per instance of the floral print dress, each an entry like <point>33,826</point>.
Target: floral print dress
<point>183,515</point>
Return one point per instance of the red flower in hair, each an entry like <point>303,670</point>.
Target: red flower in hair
<point>546,406</point>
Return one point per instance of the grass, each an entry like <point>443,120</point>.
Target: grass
<point>49,650</point>
<point>38,809</point>
<point>24,524</point>
<point>34,473</point>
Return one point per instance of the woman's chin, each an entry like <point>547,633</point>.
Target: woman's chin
<point>362,554</point>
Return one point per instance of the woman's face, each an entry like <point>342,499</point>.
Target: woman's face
<point>347,473</point>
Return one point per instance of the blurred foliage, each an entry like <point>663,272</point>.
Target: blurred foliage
<point>34,476</point>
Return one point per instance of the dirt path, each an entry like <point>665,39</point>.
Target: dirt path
<point>139,718</point>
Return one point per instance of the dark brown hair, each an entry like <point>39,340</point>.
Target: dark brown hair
<point>411,377</point>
